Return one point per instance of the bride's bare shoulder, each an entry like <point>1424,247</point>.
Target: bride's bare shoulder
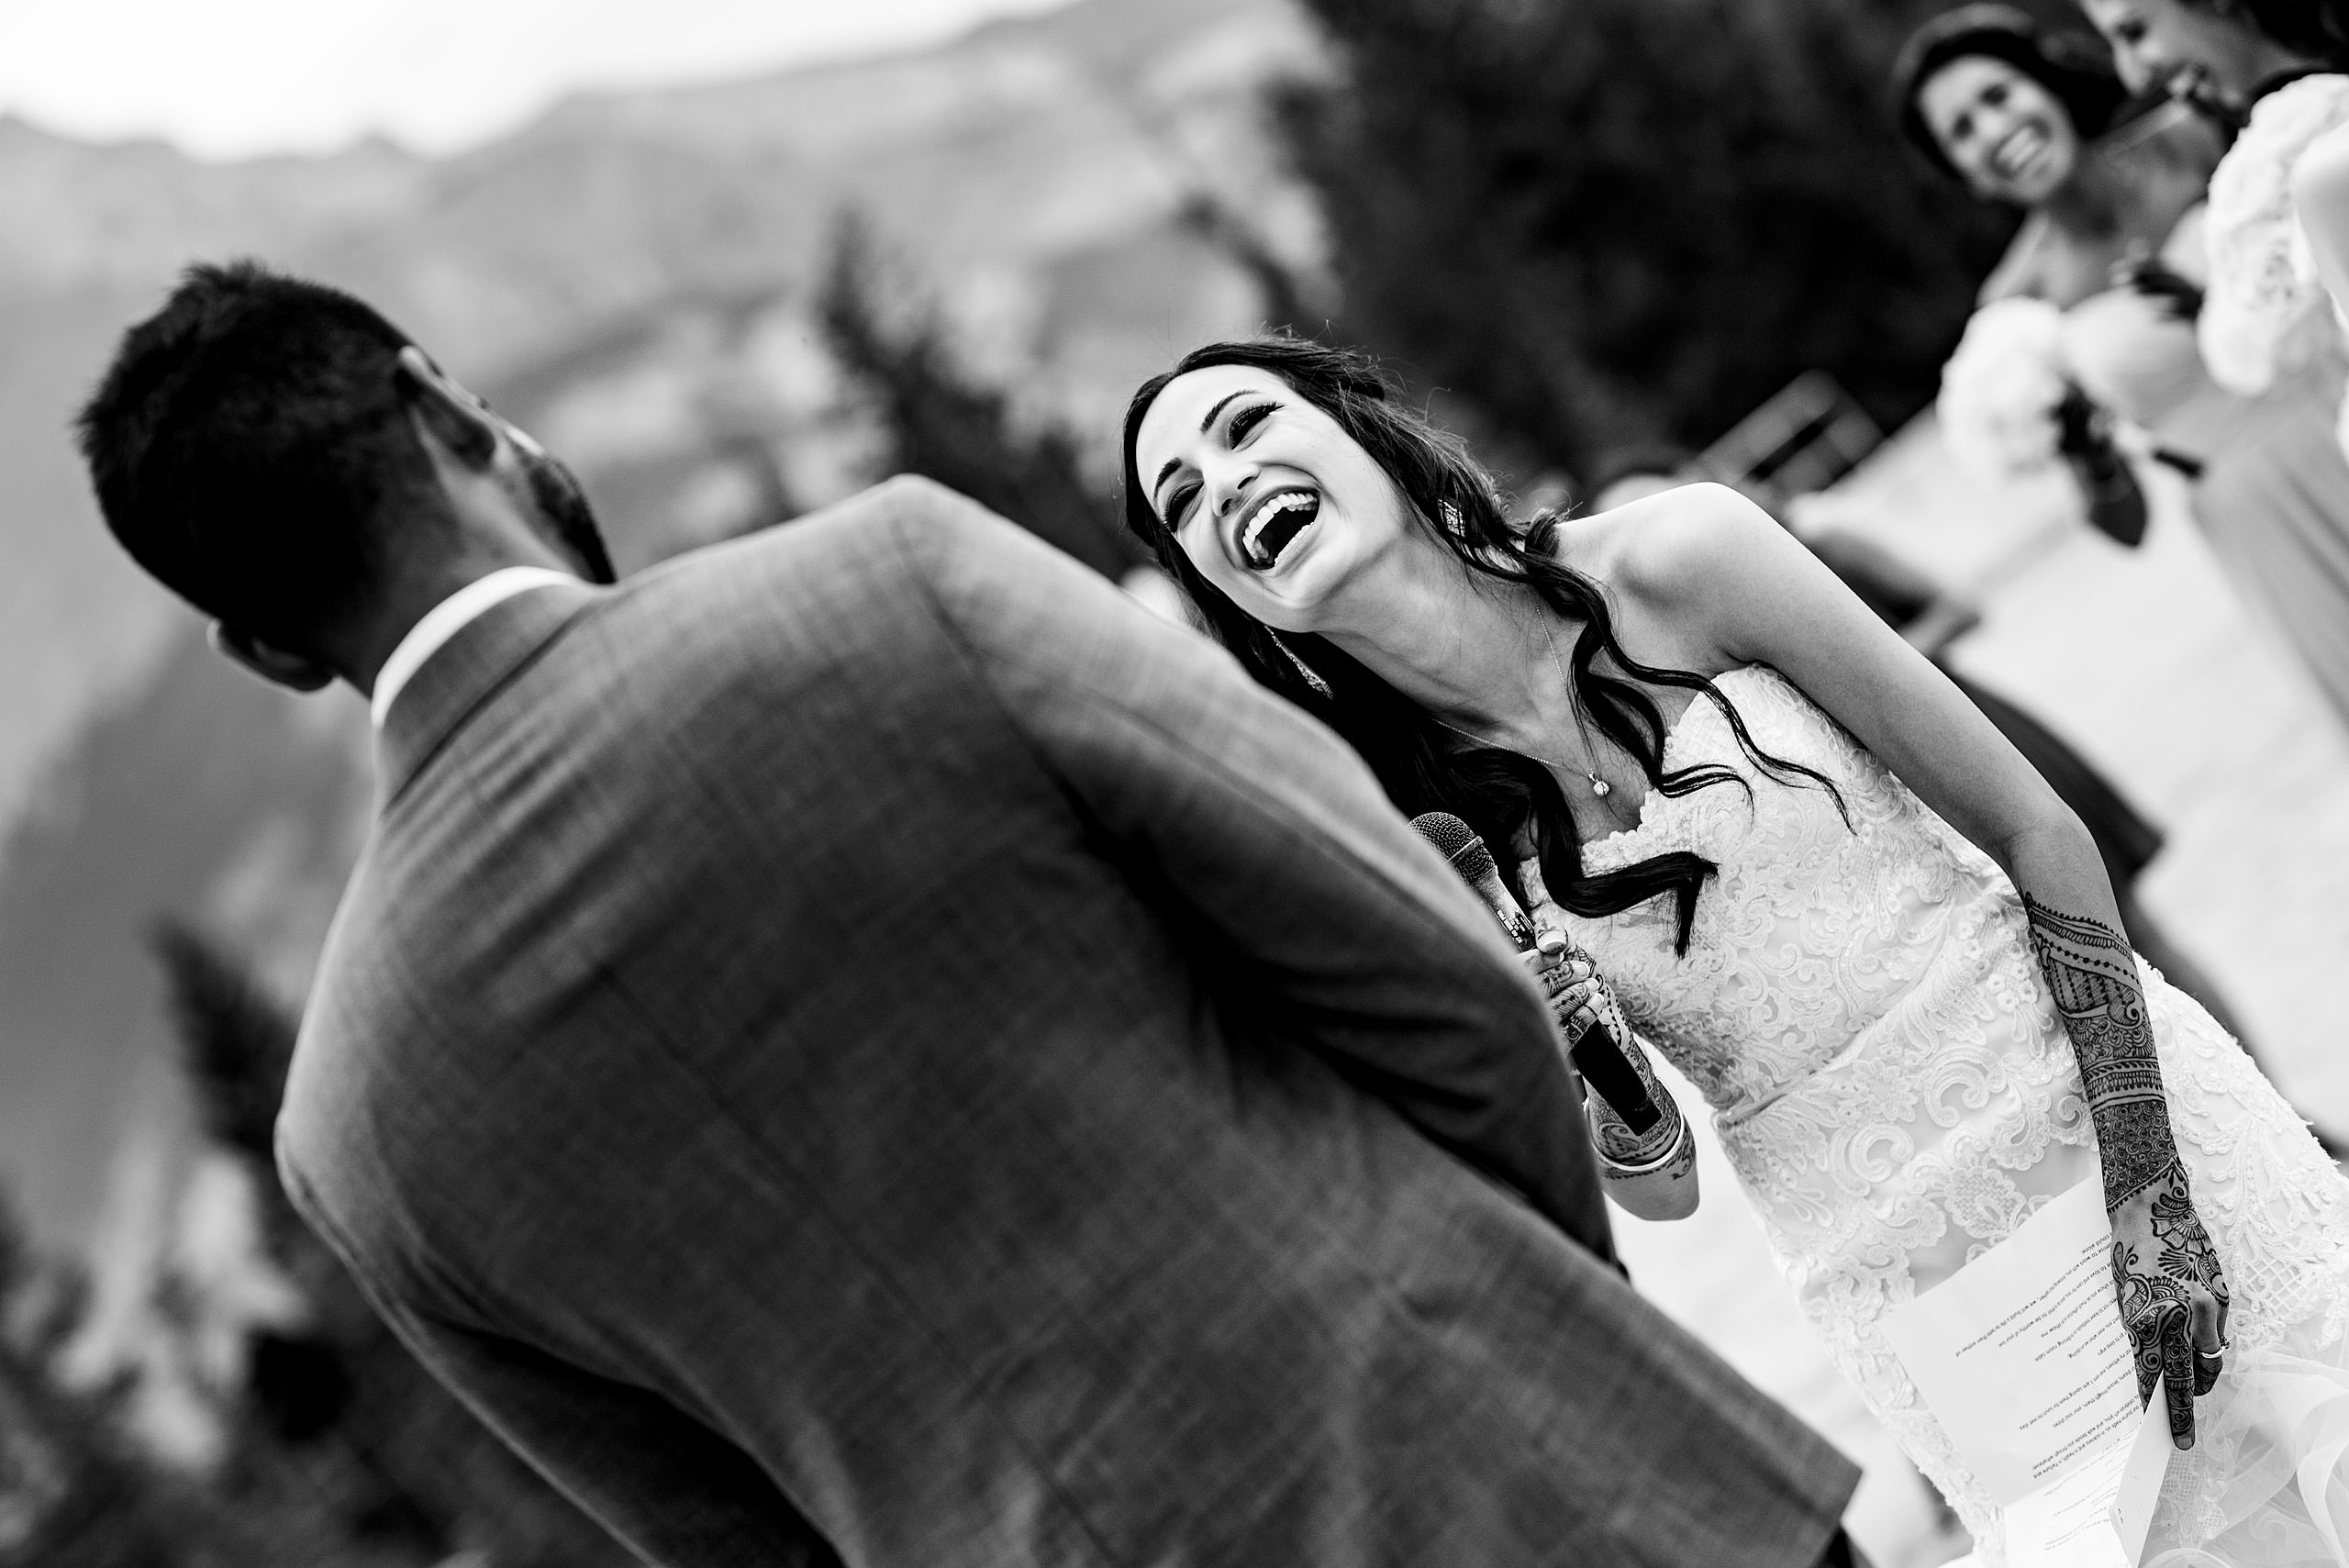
<point>1664,548</point>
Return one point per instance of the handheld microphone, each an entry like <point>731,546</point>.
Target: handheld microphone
<point>1459,844</point>
<point>1597,1054</point>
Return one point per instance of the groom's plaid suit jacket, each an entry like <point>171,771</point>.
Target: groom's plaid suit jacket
<point>863,1042</point>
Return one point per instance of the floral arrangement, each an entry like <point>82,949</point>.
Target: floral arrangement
<point>2263,289</point>
<point>2010,408</point>
<point>2003,391</point>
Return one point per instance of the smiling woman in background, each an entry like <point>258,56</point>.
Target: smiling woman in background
<point>2033,121</point>
<point>2281,67</point>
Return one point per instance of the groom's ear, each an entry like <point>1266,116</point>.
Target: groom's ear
<point>447,415</point>
<point>272,664</point>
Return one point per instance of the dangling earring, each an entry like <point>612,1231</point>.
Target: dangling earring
<point>1320,687</point>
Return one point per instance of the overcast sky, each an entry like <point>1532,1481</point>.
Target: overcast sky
<point>229,78</point>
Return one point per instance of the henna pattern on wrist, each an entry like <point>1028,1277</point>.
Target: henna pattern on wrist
<point>1615,1141</point>
<point>2092,976</point>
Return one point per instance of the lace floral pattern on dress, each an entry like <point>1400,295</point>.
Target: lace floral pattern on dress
<point>1860,1006</point>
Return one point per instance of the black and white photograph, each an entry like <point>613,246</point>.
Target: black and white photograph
<point>1175,783</point>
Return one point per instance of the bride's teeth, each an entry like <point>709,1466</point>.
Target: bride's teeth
<point>1272,517</point>
<point>1263,517</point>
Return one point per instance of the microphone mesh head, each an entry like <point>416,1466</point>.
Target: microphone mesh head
<point>1456,843</point>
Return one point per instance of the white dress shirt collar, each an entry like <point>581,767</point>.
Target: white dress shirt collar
<point>447,618</point>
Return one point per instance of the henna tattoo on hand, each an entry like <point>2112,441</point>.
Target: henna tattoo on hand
<point>2092,976</point>
<point>2162,1258</point>
<point>1613,1139</point>
<point>2165,1269</point>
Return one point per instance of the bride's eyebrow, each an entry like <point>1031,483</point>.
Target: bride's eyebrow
<point>1227,398</point>
<point>1174,462</point>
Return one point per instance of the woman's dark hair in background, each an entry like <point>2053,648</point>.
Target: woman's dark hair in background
<point>2319,27</point>
<point>2077,72</point>
<point>1507,797</point>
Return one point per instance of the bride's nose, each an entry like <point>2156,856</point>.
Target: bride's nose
<point>1230,487</point>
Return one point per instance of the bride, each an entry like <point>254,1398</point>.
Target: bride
<point>1816,877</point>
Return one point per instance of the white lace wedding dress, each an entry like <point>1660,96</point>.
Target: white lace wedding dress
<point>1862,1009</point>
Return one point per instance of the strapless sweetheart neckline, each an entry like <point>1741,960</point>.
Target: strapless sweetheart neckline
<point>1650,811</point>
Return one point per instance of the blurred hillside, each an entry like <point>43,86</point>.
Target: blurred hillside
<point>631,277</point>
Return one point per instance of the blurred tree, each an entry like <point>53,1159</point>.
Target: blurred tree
<point>71,1494</point>
<point>938,420</point>
<point>1609,222</point>
<point>339,1438</point>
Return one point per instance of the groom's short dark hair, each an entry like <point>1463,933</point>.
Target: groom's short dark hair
<point>247,443</point>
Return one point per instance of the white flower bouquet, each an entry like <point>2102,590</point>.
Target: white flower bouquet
<point>2003,391</point>
<point>2009,409</point>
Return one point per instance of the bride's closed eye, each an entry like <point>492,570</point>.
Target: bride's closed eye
<point>1236,432</point>
<point>1244,423</point>
<point>1179,504</point>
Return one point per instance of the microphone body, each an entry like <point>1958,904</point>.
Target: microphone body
<point>1595,1051</point>
<point>1646,1150</point>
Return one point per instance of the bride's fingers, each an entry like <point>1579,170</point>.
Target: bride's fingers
<point>1578,998</point>
<point>2178,1374</point>
<point>2209,1342</point>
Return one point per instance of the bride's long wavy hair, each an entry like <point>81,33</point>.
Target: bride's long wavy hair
<point>1508,798</point>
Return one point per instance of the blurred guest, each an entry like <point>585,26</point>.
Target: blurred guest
<point>2271,486</point>
<point>1931,619</point>
<point>2037,121</point>
<point>2275,498</point>
<point>2040,122</point>
<point>2320,180</point>
<point>2226,55</point>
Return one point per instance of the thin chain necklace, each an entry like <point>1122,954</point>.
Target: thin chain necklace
<point>1598,786</point>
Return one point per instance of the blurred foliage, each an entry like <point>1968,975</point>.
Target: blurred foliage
<point>72,1495</point>
<point>342,1435</point>
<point>342,1451</point>
<point>1609,222</point>
<point>939,419</point>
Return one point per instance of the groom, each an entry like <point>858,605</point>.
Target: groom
<point>861,1046</point>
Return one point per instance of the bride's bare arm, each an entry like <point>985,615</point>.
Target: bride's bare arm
<point>1718,571</point>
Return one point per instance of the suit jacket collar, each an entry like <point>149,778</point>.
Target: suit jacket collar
<point>463,672</point>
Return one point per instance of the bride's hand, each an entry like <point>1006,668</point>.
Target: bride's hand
<point>2172,1296</point>
<point>1565,973</point>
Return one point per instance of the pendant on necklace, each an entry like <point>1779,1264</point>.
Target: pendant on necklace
<point>1600,787</point>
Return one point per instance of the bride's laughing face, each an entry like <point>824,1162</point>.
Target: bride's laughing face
<point>1269,498</point>
<point>2007,135</point>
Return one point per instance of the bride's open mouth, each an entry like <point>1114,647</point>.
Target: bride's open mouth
<point>2023,147</point>
<point>1274,524</point>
